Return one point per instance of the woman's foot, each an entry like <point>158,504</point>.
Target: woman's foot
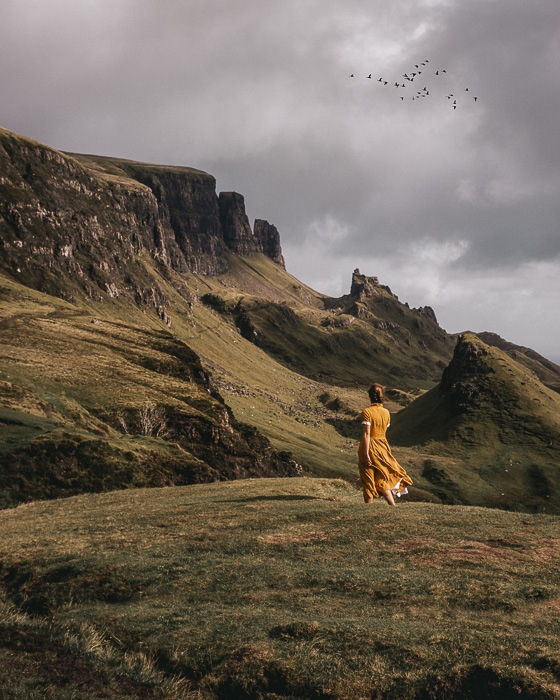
<point>388,496</point>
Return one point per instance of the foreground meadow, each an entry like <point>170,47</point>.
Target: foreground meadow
<point>276,588</point>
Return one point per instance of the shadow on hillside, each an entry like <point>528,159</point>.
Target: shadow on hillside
<point>347,427</point>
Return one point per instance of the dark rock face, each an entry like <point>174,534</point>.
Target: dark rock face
<point>427,311</point>
<point>79,224</point>
<point>269,239</point>
<point>188,209</point>
<point>235,225</point>
<point>367,287</point>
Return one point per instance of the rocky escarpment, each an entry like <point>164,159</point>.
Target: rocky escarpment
<point>73,224</point>
<point>364,288</point>
<point>237,231</point>
<point>269,240</point>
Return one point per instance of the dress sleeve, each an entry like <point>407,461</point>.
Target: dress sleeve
<point>365,417</point>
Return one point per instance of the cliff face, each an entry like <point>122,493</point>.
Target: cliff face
<point>269,240</point>
<point>79,224</point>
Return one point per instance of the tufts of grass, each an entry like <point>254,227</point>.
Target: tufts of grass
<point>293,589</point>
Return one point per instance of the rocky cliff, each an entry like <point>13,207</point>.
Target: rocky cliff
<point>73,224</point>
<point>90,405</point>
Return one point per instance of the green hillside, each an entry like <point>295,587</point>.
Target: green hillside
<point>548,372</point>
<point>494,427</point>
<point>276,589</point>
<point>346,341</point>
<point>139,347</point>
<point>96,402</point>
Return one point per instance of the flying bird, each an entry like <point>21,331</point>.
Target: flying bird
<point>426,90</point>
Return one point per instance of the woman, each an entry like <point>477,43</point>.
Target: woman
<point>379,470</point>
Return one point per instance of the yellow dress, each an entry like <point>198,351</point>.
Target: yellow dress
<point>385,473</point>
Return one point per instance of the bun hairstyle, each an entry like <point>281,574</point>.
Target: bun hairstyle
<point>376,393</point>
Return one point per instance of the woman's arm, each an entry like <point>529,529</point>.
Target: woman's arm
<point>363,449</point>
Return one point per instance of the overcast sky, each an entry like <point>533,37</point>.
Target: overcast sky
<point>456,208</point>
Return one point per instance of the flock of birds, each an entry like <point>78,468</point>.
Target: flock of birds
<point>419,74</point>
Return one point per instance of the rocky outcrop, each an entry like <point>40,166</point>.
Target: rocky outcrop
<point>461,382</point>
<point>269,240</point>
<point>189,213</point>
<point>367,287</point>
<point>428,312</point>
<point>73,224</point>
<point>236,228</point>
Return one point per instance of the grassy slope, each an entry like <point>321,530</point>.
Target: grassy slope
<point>501,448</point>
<point>70,370</point>
<point>346,343</point>
<point>283,404</point>
<point>547,371</point>
<point>277,589</point>
<point>315,421</point>
<point>69,376</point>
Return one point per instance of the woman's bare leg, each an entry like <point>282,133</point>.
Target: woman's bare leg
<point>388,496</point>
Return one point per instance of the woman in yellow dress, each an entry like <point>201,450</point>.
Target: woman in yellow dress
<point>379,470</point>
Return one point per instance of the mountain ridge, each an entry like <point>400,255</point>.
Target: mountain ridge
<point>143,319</point>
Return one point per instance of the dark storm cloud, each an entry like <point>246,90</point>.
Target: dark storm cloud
<point>258,93</point>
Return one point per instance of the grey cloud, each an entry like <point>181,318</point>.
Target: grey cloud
<point>259,94</point>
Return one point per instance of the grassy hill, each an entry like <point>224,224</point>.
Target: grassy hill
<point>494,429</point>
<point>335,340</point>
<point>112,400</point>
<point>548,372</point>
<point>276,589</point>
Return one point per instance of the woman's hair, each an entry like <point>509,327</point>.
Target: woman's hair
<point>376,393</point>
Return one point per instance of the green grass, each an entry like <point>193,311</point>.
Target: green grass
<point>74,387</point>
<point>282,589</point>
<point>492,429</point>
<point>340,341</point>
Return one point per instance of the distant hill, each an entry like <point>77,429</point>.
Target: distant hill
<point>365,336</point>
<point>494,416</point>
